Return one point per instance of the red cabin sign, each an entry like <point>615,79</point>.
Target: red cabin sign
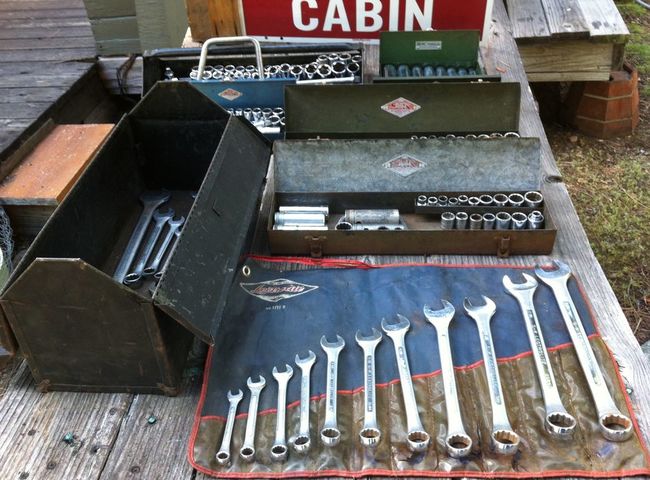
<point>328,20</point>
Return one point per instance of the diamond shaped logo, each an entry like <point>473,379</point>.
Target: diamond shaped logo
<point>404,165</point>
<point>276,290</point>
<point>401,107</point>
<point>230,94</point>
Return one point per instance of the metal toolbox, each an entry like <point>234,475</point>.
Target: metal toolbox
<point>80,329</point>
<point>240,94</point>
<point>401,110</point>
<point>440,56</point>
<point>392,173</point>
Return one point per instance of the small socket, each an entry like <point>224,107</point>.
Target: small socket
<point>503,221</point>
<point>463,199</point>
<point>473,201</point>
<point>475,221</point>
<point>452,202</point>
<point>461,221</point>
<point>533,199</point>
<point>421,200</point>
<point>431,201</point>
<point>486,200</point>
<point>500,200</point>
<point>489,220</point>
<point>442,200</point>
<point>536,220</point>
<point>447,220</point>
<point>516,199</point>
<point>519,221</point>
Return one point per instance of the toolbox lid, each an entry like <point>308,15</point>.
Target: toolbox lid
<point>450,48</point>
<point>405,165</point>
<point>401,109</point>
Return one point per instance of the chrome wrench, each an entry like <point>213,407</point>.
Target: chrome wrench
<point>330,434</point>
<point>370,435</point>
<point>504,439</point>
<point>558,422</point>
<point>457,442</point>
<point>303,441</point>
<point>150,202</point>
<point>174,226</point>
<point>223,455</point>
<point>417,439</point>
<point>247,451</point>
<point>160,218</point>
<point>279,450</point>
<point>614,425</point>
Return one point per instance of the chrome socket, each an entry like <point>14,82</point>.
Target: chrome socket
<point>486,200</point>
<point>535,220</point>
<point>360,227</point>
<point>422,200</point>
<point>515,200</point>
<point>473,201</point>
<point>519,221</point>
<point>489,220</point>
<point>500,200</point>
<point>447,221</point>
<point>463,200</point>
<point>431,201</point>
<point>533,199</point>
<point>503,221</point>
<point>372,217</point>
<point>453,201</point>
<point>461,221</point>
<point>475,221</point>
<point>323,209</point>
<point>442,200</point>
<point>299,219</point>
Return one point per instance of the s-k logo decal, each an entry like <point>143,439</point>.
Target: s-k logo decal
<point>404,165</point>
<point>400,107</point>
<point>276,290</point>
<point>230,94</point>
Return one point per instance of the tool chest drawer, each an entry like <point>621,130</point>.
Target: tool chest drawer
<point>80,327</point>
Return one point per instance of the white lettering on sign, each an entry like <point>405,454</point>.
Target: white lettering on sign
<point>336,15</point>
<point>367,14</point>
<point>296,10</point>
<point>363,15</point>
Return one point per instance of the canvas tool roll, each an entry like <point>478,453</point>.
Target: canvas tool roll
<point>278,308</point>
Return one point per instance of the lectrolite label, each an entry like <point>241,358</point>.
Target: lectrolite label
<point>230,94</point>
<point>404,165</point>
<point>401,107</point>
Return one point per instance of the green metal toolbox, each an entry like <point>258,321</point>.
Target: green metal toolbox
<point>390,174</point>
<point>80,329</point>
<point>401,110</point>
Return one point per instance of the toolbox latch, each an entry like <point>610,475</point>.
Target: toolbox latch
<point>503,247</point>
<point>315,245</point>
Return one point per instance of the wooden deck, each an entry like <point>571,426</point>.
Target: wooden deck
<point>111,438</point>
<point>46,47</point>
<point>568,40</point>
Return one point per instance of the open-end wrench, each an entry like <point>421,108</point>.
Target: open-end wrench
<point>504,439</point>
<point>614,425</point>
<point>150,201</point>
<point>330,434</point>
<point>558,422</point>
<point>370,434</point>
<point>223,455</point>
<point>174,226</point>
<point>279,450</point>
<point>417,439</point>
<point>247,451</point>
<point>457,442</point>
<point>160,218</point>
<point>303,441</point>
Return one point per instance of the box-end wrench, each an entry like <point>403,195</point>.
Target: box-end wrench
<point>302,443</point>
<point>279,450</point>
<point>223,455</point>
<point>150,202</point>
<point>614,425</point>
<point>160,218</point>
<point>370,435</point>
<point>174,226</point>
<point>330,434</point>
<point>558,422</point>
<point>457,442</point>
<point>417,439</point>
<point>247,451</point>
<point>505,440</point>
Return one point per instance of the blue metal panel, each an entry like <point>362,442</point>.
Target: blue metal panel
<point>246,93</point>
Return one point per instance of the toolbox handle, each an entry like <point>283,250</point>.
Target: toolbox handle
<point>222,40</point>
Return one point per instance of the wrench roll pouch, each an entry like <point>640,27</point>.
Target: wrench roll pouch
<point>79,328</point>
<point>389,173</point>
<point>277,312</point>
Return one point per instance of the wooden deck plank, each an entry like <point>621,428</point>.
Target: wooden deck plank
<point>23,24</point>
<point>20,94</point>
<point>33,426</point>
<point>56,31</point>
<point>604,21</point>
<point>565,18</point>
<point>528,19</point>
<point>46,13</point>
<point>17,44</point>
<point>48,55</point>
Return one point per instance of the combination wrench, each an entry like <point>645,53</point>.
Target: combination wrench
<point>330,434</point>
<point>558,422</point>
<point>614,425</point>
<point>174,226</point>
<point>504,439</point>
<point>279,450</point>
<point>417,439</point>
<point>160,218</point>
<point>457,442</point>
<point>150,202</point>
<point>223,455</point>
<point>303,441</point>
<point>370,435</point>
<point>247,451</point>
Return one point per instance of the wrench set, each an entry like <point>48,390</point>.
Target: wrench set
<point>152,238</point>
<point>504,440</point>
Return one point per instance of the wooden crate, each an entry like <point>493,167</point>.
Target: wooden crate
<point>213,18</point>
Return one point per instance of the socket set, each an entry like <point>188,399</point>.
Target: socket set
<point>491,221</point>
<point>426,71</point>
<point>266,120</point>
<point>469,136</point>
<point>316,218</point>
<point>525,202</point>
